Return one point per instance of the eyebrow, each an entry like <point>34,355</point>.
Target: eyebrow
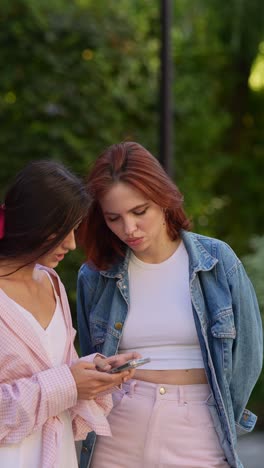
<point>142,205</point>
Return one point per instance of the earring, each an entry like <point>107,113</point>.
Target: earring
<point>165,214</point>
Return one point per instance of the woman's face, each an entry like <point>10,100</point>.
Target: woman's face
<point>134,219</point>
<point>52,258</point>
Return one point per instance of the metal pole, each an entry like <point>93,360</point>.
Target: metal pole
<point>165,88</point>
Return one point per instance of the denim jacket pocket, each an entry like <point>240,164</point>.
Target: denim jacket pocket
<point>247,423</point>
<point>224,332</point>
<point>224,325</point>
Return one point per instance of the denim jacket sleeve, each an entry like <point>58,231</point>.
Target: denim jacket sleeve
<point>248,345</point>
<point>84,297</point>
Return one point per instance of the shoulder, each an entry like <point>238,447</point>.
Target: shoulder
<point>212,243</point>
<point>86,271</point>
<point>48,270</point>
<point>198,244</point>
<point>87,275</point>
<point>54,277</point>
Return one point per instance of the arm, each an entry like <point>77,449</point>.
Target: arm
<point>27,403</point>
<point>248,345</point>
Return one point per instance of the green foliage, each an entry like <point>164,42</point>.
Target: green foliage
<point>72,81</point>
<point>218,118</point>
<point>199,57</point>
<point>254,262</point>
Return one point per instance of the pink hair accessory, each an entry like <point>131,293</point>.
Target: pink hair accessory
<point>2,221</point>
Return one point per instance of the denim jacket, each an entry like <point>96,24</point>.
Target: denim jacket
<point>227,320</point>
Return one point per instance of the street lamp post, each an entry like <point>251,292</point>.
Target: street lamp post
<point>165,88</point>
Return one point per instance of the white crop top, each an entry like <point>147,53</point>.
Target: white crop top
<point>160,322</point>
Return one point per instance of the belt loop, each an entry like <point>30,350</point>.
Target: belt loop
<point>131,387</point>
<point>181,395</point>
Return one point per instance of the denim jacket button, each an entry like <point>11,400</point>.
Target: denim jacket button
<point>118,326</point>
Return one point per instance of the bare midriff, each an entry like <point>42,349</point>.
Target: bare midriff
<point>172,377</point>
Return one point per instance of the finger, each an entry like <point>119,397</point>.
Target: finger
<point>112,360</point>
<point>119,359</point>
<point>87,365</point>
<point>134,355</point>
<point>104,378</point>
<point>108,382</point>
<point>122,377</point>
<point>101,363</point>
<point>129,376</point>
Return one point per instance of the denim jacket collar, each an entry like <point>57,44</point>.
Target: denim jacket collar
<point>200,259</point>
<point>119,269</point>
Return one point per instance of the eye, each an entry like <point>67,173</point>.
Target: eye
<point>140,213</point>
<point>112,219</point>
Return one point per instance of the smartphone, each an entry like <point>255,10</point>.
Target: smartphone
<point>129,365</point>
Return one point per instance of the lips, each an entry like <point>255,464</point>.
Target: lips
<point>134,241</point>
<point>59,257</point>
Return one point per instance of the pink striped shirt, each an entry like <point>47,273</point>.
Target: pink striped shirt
<point>33,393</point>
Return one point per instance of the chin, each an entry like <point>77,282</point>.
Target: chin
<point>138,248</point>
<point>50,264</point>
<point>141,247</point>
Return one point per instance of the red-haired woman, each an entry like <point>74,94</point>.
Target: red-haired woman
<point>184,300</point>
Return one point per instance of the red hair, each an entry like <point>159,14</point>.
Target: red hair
<point>131,163</point>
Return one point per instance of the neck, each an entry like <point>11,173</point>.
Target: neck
<point>16,270</point>
<point>165,251</point>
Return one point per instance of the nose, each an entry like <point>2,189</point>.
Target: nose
<point>129,226</point>
<point>69,241</point>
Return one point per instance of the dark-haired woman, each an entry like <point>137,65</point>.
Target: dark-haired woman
<point>180,298</point>
<point>43,384</point>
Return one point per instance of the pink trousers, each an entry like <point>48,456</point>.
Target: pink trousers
<point>160,426</point>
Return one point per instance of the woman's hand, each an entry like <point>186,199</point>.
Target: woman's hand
<point>90,382</point>
<point>105,364</point>
<point>114,361</point>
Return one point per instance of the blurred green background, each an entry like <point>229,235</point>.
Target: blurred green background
<point>79,75</point>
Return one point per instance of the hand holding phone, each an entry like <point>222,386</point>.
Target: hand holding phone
<point>131,364</point>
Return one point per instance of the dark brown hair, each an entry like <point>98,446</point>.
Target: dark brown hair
<point>131,163</point>
<point>45,200</point>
